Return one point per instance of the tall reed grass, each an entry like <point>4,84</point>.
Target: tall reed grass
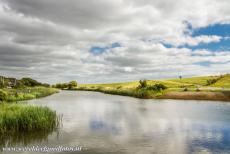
<point>26,118</point>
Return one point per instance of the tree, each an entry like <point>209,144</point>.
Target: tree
<point>30,82</point>
<point>72,84</point>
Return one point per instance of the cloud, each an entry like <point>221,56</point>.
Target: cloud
<point>51,40</point>
<point>194,41</point>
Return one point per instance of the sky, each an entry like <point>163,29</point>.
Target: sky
<point>99,41</point>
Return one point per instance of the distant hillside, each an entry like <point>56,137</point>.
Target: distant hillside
<point>204,81</point>
<point>193,88</point>
<point>223,82</point>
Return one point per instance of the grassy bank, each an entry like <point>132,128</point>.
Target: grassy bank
<point>13,95</point>
<point>25,118</point>
<point>198,88</point>
<point>138,93</point>
<point>18,118</point>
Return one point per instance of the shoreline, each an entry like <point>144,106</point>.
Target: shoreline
<point>17,117</point>
<point>201,95</point>
<point>211,96</point>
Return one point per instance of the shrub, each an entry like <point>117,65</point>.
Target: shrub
<point>211,81</point>
<point>185,89</point>
<point>142,93</point>
<point>157,87</point>
<point>142,84</point>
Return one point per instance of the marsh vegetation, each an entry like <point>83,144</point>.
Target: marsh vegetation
<point>16,117</point>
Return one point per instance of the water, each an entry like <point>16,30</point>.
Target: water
<point>112,124</point>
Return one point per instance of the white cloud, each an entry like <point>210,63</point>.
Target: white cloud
<point>194,41</point>
<point>50,40</point>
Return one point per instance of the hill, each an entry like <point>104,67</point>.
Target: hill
<point>206,87</point>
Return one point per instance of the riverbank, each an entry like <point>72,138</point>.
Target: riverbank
<point>215,96</point>
<point>14,95</point>
<point>16,117</point>
<point>195,88</point>
<point>184,95</point>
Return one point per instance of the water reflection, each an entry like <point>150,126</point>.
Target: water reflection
<point>24,138</point>
<point>115,124</point>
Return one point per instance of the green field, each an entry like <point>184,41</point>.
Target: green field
<point>223,82</point>
<point>192,84</point>
<point>170,83</point>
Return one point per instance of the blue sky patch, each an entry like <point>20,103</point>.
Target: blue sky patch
<point>223,45</point>
<point>96,50</point>
<point>166,45</point>
<point>217,29</point>
<point>222,30</point>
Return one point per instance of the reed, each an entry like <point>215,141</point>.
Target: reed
<point>26,118</point>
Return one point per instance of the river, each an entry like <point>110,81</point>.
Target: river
<point>103,124</point>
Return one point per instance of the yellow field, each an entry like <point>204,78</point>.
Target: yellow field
<point>192,82</point>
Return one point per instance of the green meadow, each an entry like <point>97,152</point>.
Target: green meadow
<point>193,85</point>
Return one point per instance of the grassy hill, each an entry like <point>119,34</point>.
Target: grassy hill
<point>193,84</point>
<point>222,81</point>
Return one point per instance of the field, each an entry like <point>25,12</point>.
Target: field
<point>194,84</point>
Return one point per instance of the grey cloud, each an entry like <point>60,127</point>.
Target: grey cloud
<point>81,13</point>
<point>49,39</point>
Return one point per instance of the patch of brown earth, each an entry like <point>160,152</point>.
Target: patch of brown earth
<point>222,96</point>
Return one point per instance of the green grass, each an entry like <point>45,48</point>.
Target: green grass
<point>25,118</point>
<point>202,81</point>
<point>13,95</point>
<point>223,82</point>
<point>130,88</point>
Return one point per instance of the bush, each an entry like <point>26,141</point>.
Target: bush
<point>141,93</point>
<point>185,89</point>
<point>157,87</point>
<point>211,81</point>
<point>142,84</point>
